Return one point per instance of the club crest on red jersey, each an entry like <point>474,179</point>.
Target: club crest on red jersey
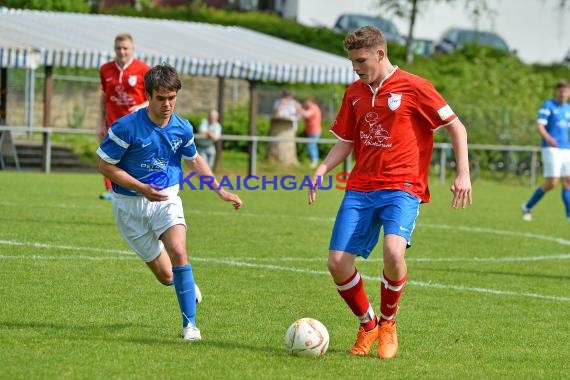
<point>132,80</point>
<point>394,101</point>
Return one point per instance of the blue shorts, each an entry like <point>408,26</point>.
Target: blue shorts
<point>362,214</point>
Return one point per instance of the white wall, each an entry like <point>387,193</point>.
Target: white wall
<point>537,29</point>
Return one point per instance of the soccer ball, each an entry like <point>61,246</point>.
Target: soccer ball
<point>307,337</point>
<point>198,294</point>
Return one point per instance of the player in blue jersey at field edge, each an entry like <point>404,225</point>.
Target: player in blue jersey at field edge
<point>553,125</point>
<point>141,155</point>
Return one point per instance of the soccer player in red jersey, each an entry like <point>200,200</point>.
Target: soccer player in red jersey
<point>122,82</point>
<point>387,119</point>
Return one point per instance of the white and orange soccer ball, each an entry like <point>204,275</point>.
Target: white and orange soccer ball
<point>307,337</point>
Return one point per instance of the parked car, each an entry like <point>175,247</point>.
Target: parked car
<point>349,22</point>
<point>422,46</point>
<point>456,38</point>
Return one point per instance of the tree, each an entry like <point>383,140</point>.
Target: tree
<point>409,10</point>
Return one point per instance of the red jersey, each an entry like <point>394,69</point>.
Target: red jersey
<point>122,88</point>
<point>392,132</point>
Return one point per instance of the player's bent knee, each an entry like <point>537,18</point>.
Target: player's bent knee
<point>165,279</point>
<point>338,268</point>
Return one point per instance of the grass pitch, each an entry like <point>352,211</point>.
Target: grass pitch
<point>488,295</point>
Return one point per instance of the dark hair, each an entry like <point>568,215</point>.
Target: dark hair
<point>562,83</point>
<point>162,76</point>
<point>365,37</point>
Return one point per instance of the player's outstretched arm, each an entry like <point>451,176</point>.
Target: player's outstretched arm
<point>337,154</point>
<point>461,186</point>
<point>201,168</point>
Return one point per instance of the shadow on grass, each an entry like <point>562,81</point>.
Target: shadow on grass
<point>271,350</point>
<point>108,332</point>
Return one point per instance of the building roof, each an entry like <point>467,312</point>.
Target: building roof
<point>35,38</point>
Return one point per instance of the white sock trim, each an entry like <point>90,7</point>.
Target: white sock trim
<point>368,316</point>
<point>391,287</point>
<point>351,284</point>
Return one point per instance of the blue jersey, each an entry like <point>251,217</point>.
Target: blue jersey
<point>556,118</point>
<point>148,152</point>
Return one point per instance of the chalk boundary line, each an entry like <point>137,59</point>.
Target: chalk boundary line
<point>128,255</point>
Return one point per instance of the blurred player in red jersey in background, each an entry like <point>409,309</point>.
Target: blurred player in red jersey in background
<point>122,82</point>
<point>387,119</point>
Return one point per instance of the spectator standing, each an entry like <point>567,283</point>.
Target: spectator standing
<point>209,132</point>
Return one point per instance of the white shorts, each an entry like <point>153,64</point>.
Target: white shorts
<point>142,222</point>
<point>555,162</point>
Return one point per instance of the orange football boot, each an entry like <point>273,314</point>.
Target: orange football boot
<point>387,340</point>
<point>364,341</point>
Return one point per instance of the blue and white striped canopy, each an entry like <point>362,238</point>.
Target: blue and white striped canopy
<point>31,39</point>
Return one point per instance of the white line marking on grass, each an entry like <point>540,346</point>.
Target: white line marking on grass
<point>506,259</point>
<point>233,262</point>
<point>498,232</point>
<point>306,259</point>
<point>376,278</point>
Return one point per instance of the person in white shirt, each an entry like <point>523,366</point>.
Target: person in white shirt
<point>287,107</point>
<point>209,131</point>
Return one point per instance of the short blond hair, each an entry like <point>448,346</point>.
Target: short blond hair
<point>367,37</point>
<point>124,36</point>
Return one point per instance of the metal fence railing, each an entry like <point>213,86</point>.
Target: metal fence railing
<point>499,159</point>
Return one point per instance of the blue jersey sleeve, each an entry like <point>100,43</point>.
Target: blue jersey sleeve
<point>544,113</point>
<point>189,151</point>
<point>115,143</point>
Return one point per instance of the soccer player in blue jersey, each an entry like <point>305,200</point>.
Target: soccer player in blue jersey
<point>553,125</point>
<point>142,154</point>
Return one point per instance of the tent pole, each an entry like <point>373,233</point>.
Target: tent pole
<point>252,126</point>
<point>221,86</point>
<point>48,93</point>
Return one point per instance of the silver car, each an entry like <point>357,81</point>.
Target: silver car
<point>456,38</point>
<point>349,22</point>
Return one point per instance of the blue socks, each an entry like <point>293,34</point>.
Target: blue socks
<point>186,293</point>
<point>566,200</point>
<point>538,193</point>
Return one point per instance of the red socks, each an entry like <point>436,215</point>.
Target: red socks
<point>390,292</point>
<point>353,293</point>
<point>108,185</point>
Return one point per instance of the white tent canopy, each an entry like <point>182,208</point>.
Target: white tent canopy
<point>30,39</point>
